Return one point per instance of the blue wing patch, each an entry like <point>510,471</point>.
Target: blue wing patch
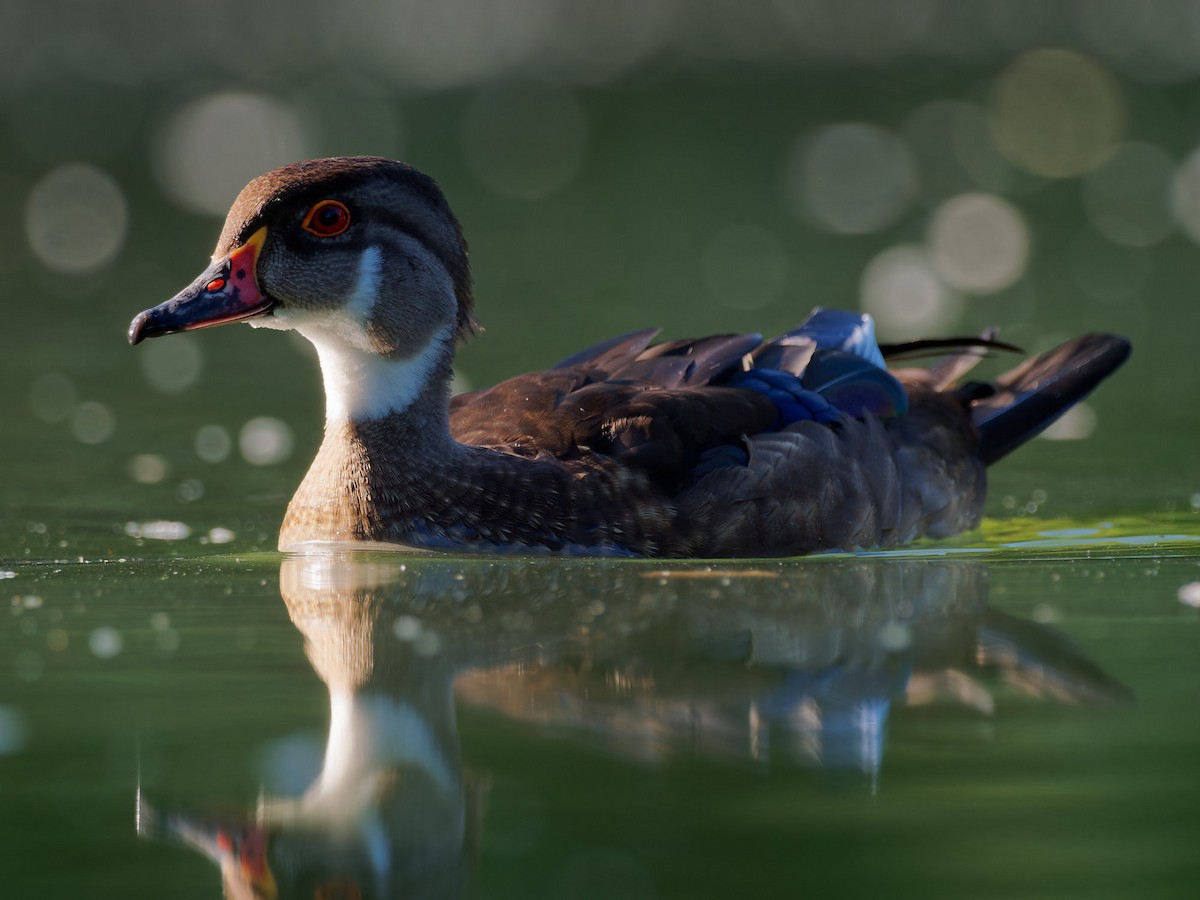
<point>834,329</point>
<point>794,402</point>
<point>854,385</point>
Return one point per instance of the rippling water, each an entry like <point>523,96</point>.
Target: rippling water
<point>1006,718</point>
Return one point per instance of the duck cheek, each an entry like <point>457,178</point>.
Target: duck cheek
<point>403,329</point>
<point>307,287</point>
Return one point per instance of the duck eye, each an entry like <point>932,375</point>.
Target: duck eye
<point>328,218</point>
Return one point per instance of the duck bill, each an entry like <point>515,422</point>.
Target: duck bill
<point>241,850</point>
<point>227,291</point>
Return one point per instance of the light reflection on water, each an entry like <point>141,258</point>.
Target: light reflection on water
<point>690,731</point>
<point>770,666</point>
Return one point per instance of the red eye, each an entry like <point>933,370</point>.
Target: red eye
<point>328,218</point>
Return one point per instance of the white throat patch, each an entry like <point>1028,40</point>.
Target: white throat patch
<point>359,383</point>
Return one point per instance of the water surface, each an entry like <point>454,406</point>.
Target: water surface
<point>983,722</point>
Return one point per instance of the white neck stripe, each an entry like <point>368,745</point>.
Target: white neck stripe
<point>360,384</point>
<point>366,286</point>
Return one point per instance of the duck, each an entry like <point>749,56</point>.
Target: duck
<point>723,446</point>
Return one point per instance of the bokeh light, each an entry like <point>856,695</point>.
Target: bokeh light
<point>525,141</point>
<point>852,178</point>
<point>105,642</point>
<point>75,219</point>
<point>52,397</point>
<point>93,422</point>
<point>158,530</point>
<point>1185,195</point>
<point>213,443</point>
<point>189,490</point>
<point>148,468</point>
<point>219,535</point>
<point>745,266</point>
<point>172,366</point>
<point>1057,113</point>
<point>903,292</point>
<point>265,441</point>
<point>14,730</point>
<point>979,242</point>
<point>1076,423</point>
<point>212,147</point>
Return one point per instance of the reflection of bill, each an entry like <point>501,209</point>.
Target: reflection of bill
<point>779,664</point>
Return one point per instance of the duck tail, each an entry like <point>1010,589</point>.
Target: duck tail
<point>1029,398</point>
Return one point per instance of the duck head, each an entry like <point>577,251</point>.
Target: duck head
<point>361,255</point>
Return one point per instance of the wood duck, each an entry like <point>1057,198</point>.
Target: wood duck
<point>721,446</point>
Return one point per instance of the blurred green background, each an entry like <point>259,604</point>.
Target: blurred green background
<point>698,166</point>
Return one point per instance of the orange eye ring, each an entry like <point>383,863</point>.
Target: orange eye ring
<point>329,218</point>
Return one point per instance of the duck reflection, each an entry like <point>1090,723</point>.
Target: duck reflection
<point>792,663</point>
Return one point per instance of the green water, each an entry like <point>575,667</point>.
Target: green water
<point>1010,713</point>
<point>916,725</point>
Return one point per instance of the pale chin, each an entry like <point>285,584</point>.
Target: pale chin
<point>274,321</point>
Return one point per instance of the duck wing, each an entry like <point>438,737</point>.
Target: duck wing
<point>654,409</point>
<point>805,442</point>
<point>677,409</point>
